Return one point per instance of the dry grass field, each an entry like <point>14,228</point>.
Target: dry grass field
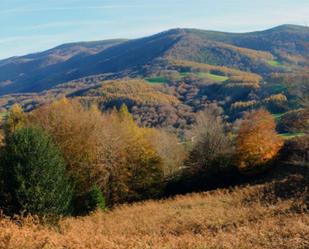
<point>270,215</point>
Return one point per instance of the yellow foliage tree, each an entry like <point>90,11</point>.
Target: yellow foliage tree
<point>139,169</point>
<point>106,150</point>
<point>78,133</point>
<point>15,119</point>
<point>257,143</point>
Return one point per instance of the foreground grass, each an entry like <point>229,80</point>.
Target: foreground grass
<point>248,217</point>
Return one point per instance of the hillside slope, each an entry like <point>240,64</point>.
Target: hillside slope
<point>261,52</point>
<point>272,215</point>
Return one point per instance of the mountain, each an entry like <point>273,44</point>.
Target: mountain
<point>264,52</point>
<point>18,71</point>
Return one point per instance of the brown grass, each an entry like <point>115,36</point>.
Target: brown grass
<point>248,217</point>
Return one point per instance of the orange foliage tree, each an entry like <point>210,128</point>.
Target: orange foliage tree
<point>257,142</point>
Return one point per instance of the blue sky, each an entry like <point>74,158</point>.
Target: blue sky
<point>33,25</point>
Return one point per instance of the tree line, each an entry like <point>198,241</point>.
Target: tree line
<point>66,159</point>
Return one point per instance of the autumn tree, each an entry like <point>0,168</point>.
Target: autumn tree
<point>106,150</point>
<point>15,119</point>
<point>135,169</point>
<point>78,133</point>
<point>257,143</point>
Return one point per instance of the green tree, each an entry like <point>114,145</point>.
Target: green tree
<point>34,175</point>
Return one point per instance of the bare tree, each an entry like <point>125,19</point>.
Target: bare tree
<point>210,144</point>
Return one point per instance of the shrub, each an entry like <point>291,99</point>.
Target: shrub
<point>94,201</point>
<point>34,175</point>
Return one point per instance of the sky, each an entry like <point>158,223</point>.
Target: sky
<point>28,26</point>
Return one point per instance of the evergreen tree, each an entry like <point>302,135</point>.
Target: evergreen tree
<point>34,175</point>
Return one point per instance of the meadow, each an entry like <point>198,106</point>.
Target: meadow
<point>266,215</point>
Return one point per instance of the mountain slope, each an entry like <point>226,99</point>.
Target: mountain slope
<point>20,69</point>
<point>261,52</point>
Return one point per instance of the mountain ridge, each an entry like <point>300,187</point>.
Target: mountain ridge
<point>251,51</point>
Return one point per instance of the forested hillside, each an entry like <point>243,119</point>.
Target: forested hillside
<point>99,139</point>
<point>275,50</point>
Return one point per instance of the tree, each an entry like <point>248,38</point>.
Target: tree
<point>135,169</point>
<point>257,143</point>
<point>170,149</point>
<point>78,133</point>
<point>15,119</point>
<point>106,150</point>
<point>34,174</point>
<point>210,144</point>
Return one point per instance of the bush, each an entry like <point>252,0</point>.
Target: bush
<point>94,200</point>
<point>34,175</point>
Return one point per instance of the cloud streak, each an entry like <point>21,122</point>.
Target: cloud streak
<point>68,24</point>
<point>25,10</point>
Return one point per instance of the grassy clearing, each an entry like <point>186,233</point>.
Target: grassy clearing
<point>247,217</point>
<point>292,135</point>
<point>201,75</point>
<point>217,78</point>
<point>157,80</point>
<point>214,77</point>
<point>278,116</point>
<point>275,63</point>
<point>3,114</point>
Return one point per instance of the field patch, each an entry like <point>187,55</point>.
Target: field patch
<point>157,80</point>
<point>202,75</point>
<point>291,135</point>
<point>275,63</point>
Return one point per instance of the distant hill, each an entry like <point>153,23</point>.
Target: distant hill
<point>264,52</point>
